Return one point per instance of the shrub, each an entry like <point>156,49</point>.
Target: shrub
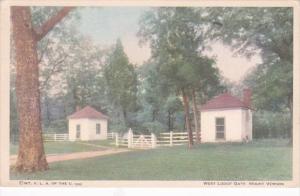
<point>154,127</point>
<point>271,124</point>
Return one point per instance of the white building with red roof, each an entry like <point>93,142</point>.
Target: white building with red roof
<point>227,118</point>
<point>87,124</point>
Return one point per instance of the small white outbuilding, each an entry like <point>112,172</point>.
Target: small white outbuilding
<point>226,118</point>
<point>87,124</point>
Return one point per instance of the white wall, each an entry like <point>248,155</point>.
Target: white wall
<point>235,124</point>
<point>83,126</point>
<point>92,129</point>
<point>87,129</point>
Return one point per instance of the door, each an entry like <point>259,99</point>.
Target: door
<point>220,128</point>
<point>77,131</point>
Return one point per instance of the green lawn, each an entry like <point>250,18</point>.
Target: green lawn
<point>106,143</point>
<point>259,160</point>
<point>63,147</point>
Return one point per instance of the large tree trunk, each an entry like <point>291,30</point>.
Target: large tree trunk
<point>31,156</point>
<point>196,117</point>
<point>187,117</point>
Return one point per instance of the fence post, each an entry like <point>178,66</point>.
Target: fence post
<point>130,138</point>
<point>54,136</point>
<point>153,140</point>
<point>171,138</point>
<point>117,139</point>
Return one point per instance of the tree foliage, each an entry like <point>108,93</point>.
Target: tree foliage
<point>270,31</point>
<point>177,40</point>
<point>121,81</point>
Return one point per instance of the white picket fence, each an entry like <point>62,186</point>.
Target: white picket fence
<point>131,140</point>
<point>55,137</point>
<point>143,141</point>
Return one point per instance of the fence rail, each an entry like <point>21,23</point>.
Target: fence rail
<point>111,135</point>
<point>131,140</point>
<point>56,137</point>
<point>47,137</point>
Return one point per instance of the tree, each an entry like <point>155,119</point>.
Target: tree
<point>153,91</point>
<point>204,79</point>
<point>31,156</point>
<point>172,105</point>
<point>159,104</point>
<point>83,74</point>
<point>121,82</point>
<point>50,57</point>
<point>269,31</point>
<point>54,51</point>
<point>177,41</point>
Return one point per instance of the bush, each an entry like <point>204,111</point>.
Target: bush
<point>271,124</point>
<point>154,127</point>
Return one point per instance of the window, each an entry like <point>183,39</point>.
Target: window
<point>98,128</point>
<point>78,131</point>
<point>220,128</point>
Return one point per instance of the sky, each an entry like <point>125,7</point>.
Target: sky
<point>105,25</point>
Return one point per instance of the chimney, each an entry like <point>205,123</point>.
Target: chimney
<point>247,93</point>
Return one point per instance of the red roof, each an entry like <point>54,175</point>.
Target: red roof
<point>224,101</point>
<point>88,112</point>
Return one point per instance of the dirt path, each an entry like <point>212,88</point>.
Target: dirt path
<point>76,155</point>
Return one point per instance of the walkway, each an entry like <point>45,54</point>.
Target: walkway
<point>77,155</point>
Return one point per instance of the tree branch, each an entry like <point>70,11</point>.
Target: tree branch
<point>42,31</point>
<point>52,71</point>
<point>43,51</point>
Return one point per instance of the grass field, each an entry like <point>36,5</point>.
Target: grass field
<point>67,147</point>
<point>107,143</point>
<point>259,160</point>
